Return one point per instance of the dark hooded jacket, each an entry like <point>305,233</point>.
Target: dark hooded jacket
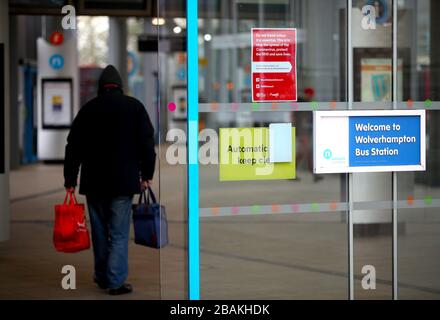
<point>112,140</point>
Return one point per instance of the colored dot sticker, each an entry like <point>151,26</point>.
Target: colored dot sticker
<point>255,106</point>
<point>410,103</point>
<point>314,105</point>
<point>235,210</point>
<point>294,106</point>
<point>410,200</point>
<point>315,206</point>
<point>215,211</point>
<point>333,205</point>
<point>428,103</point>
<point>333,104</point>
<point>274,106</point>
<point>275,208</point>
<point>172,106</point>
<point>235,106</point>
<point>255,209</point>
<point>214,106</point>
<point>295,207</point>
<point>428,200</point>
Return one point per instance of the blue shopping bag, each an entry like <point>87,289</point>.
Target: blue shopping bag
<point>150,222</point>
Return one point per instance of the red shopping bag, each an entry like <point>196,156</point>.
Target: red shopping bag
<point>70,232</point>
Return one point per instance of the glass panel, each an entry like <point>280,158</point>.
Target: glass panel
<point>417,35</point>
<point>372,89</point>
<point>281,256</point>
<point>372,56</point>
<point>418,192</point>
<point>278,239</point>
<point>172,79</point>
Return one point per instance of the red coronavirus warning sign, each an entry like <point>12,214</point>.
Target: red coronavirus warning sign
<point>274,64</point>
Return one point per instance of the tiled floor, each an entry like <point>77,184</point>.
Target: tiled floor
<point>30,268</point>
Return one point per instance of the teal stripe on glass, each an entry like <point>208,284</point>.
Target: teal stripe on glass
<point>193,170</point>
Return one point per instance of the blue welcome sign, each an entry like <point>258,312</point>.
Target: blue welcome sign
<point>369,141</point>
<point>384,140</point>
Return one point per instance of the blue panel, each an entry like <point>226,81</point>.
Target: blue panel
<point>384,141</point>
<point>193,169</point>
<point>29,152</point>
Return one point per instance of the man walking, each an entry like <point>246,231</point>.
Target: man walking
<point>112,140</point>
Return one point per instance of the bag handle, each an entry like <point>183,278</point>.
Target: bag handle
<point>151,194</point>
<point>72,198</point>
<point>144,198</point>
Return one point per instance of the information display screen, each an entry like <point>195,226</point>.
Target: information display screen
<point>57,103</point>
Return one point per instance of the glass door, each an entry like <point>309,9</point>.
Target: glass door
<point>294,234</point>
<point>285,236</point>
<point>418,235</point>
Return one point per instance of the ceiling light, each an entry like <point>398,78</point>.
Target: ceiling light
<point>158,21</point>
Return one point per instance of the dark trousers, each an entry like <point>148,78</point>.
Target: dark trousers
<point>110,221</point>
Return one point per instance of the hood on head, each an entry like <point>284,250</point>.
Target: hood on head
<point>109,79</point>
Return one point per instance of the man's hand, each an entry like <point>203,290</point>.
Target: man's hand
<point>70,189</point>
<point>146,184</point>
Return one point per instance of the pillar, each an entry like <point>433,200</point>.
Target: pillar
<point>118,47</point>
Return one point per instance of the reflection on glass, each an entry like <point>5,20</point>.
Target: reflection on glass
<point>225,68</point>
<point>279,239</point>
<point>172,78</point>
<point>418,259</point>
<point>372,85</point>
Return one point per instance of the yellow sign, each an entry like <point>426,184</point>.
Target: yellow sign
<point>244,155</point>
